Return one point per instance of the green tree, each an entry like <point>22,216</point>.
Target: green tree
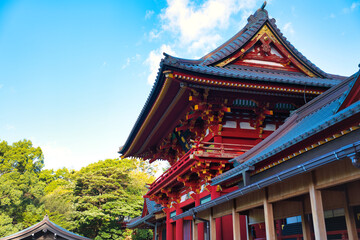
<point>142,234</point>
<point>59,198</point>
<point>20,187</point>
<point>6,225</point>
<point>20,199</point>
<point>92,202</point>
<point>105,192</point>
<point>21,156</point>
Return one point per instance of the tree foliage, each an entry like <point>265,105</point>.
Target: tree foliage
<point>142,234</point>
<point>20,186</point>
<point>106,192</point>
<point>91,202</point>
<point>21,156</point>
<point>58,200</point>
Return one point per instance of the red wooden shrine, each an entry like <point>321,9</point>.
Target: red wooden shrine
<point>203,113</point>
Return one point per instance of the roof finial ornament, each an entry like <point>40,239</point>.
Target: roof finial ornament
<point>263,6</point>
<point>260,14</point>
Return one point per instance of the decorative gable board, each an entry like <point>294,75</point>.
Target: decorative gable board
<point>266,50</point>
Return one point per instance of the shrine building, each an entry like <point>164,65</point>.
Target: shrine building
<point>262,144</point>
<point>45,230</point>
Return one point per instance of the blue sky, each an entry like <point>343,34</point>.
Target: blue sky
<point>74,75</point>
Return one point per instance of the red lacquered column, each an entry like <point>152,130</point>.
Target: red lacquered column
<point>169,232</point>
<point>179,225</point>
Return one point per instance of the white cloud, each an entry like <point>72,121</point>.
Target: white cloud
<point>154,58</point>
<point>207,43</point>
<point>354,5</point>
<point>1,86</point>
<point>126,64</point>
<point>288,29</point>
<point>195,28</point>
<point>154,34</point>
<point>129,60</point>
<point>194,24</point>
<point>149,14</point>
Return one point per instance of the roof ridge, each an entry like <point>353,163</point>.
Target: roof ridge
<point>254,24</point>
<point>170,58</point>
<point>255,21</point>
<point>302,111</point>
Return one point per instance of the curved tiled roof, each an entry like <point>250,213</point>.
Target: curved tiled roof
<point>147,106</point>
<point>205,66</point>
<point>255,22</point>
<point>305,122</point>
<point>45,225</point>
<point>266,75</point>
<point>152,207</point>
<point>137,221</point>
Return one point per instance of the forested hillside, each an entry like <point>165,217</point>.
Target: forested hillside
<point>92,202</point>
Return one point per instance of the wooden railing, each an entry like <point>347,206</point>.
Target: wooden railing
<point>201,149</point>
<point>204,150</point>
<point>220,150</point>
<point>180,164</point>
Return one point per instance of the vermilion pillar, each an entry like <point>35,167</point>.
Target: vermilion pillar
<point>179,226</point>
<point>169,232</point>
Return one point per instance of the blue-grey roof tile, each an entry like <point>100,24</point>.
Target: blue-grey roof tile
<point>203,65</point>
<point>272,76</point>
<point>305,126</point>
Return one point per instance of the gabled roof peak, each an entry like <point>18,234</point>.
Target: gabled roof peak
<point>260,14</point>
<point>258,52</point>
<point>260,30</point>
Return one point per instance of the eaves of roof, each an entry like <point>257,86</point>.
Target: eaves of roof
<point>297,128</point>
<point>153,206</point>
<point>45,224</point>
<point>205,66</point>
<point>262,76</point>
<point>307,166</point>
<point>140,221</point>
<point>145,110</point>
